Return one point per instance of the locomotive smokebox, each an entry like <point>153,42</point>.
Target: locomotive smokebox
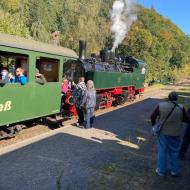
<point>104,55</point>
<point>82,49</point>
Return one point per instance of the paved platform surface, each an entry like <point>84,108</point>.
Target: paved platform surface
<point>71,157</point>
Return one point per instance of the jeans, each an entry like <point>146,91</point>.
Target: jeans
<point>168,146</point>
<point>89,117</point>
<point>80,115</point>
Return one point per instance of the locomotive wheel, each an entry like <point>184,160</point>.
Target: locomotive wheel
<point>125,95</point>
<point>120,99</point>
<point>131,98</point>
<point>70,100</point>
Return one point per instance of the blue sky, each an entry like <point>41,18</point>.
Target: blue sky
<point>178,11</point>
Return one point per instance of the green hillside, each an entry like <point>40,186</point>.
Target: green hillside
<point>153,38</point>
<point>162,44</point>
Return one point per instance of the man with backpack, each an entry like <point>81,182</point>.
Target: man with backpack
<point>78,95</point>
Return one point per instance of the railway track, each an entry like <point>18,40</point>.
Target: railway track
<point>38,128</point>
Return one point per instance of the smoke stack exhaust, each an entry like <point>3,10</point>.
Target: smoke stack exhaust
<point>123,15</point>
<point>82,49</point>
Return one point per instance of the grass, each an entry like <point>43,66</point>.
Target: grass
<point>134,173</point>
<point>154,87</point>
<point>184,97</point>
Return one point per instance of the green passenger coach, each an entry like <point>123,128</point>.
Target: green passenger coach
<point>24,102</point>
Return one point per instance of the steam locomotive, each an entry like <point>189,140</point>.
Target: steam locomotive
<point>117,79</point>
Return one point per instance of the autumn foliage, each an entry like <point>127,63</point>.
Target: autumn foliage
<point>152,38</point>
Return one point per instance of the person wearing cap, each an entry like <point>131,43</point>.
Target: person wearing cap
<point>169,138</point>
<point>40,79</point>
<point>185,141</point>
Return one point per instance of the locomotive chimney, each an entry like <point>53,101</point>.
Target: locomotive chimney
<point>82,49</point>
<point>112,55</point>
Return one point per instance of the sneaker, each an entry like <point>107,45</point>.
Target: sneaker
<point>81,126</point>
<point>76,124</point>
<point>159,174</point>
<point>173,174</point>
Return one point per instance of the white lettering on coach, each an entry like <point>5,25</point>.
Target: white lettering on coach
<point>6,106</point>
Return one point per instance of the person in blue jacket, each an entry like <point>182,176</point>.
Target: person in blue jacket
<point>20,77</point>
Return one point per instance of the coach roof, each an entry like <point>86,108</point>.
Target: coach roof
<point>28,44</point>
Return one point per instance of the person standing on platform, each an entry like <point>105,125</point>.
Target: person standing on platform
<point>89,103</point>
<point>78,95</point>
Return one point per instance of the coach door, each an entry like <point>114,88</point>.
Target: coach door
<point>48,94</point>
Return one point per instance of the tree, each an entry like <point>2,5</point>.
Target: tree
<point>10,5</point>
<point>41,18</point>
<point>12,25</point>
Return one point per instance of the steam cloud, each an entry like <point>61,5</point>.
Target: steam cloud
<point>123,14</point>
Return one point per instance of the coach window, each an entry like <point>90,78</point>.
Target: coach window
<point>11,61</point>
<point>49,68</point>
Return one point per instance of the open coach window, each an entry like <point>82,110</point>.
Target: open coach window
<point>72,70</point>
<point>10,63</point>
<point>49,68</point>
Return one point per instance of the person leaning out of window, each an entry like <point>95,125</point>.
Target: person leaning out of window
<point>39,78</point>
<point>6,77</point>
<point>20,77</point>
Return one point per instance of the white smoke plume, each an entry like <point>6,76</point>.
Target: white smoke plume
<point>123,14</point>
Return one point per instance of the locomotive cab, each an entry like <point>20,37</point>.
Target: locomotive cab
<point>73,69</point>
